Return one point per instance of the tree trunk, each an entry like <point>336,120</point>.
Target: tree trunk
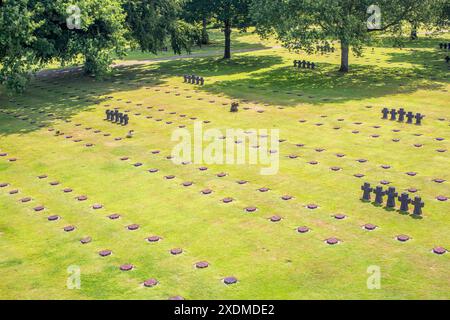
<point>227,32</point>
<point>344,58</point>
<point>205,36</point>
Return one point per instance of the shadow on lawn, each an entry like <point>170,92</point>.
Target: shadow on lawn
<point>216,47</point>
<point>60,96</point>
<point>214,67</point>
<point>428,59</point>
<point>424,42</point>
<point>268,80</point>
<point>287,86</point>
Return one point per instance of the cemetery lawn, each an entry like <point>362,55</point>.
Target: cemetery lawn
<point>270,260</point>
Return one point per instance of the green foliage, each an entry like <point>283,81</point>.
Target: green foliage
<point>16,39</point>
<point>444,14</point>
<point>230,14</point>
<point>303,24</point>
<point>200,12</point>
<point>153,23</point>
<point>35,32</point>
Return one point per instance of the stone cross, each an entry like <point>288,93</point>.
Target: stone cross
<point>308,65</point>
<point>303,64</point>
<point>393,114</point>
<point>234,107</point>
<point>447,59</point>
<point>295,62</point>
<point>410,117</point>
<point>115,116</point>
<point>379,194</point>
<point>202,81</point>
<point>404,202</point>
<point>120,116</point>
<point>419,118</point>
<point>385,112</point>
<point>391,197</point>
<point>418,205</point>
<point>108,114</point>
<point>313,65</point>
<point>185,78</point>
<point>367,190</point>
<point>126,118</point>
<point>401,114</point>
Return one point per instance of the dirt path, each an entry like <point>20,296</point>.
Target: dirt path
<point>48,73</point>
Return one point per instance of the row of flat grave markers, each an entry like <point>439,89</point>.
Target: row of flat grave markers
<point>444,46</point>
<point>117,117</point>
<point>304,64</point>
<point>402,114</point>
<point>193,79</point>
<point>392,196</point>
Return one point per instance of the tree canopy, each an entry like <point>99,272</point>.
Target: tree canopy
<point>36,32</point>
<point>303,24</point>
<point>230,14</point>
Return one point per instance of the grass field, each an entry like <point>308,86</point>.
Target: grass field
<point>340,114</point>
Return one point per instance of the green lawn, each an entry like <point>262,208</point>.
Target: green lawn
<point>239,41</point>
<point>270,260</point>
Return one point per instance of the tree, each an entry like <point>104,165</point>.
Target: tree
<point>303,24</point>
<point>231,13</point>
<point>428,14</point>
<point>444,14</point>
<point>153,23</point>
<point>35,32</point>
<point>16,38</point>
<point>199,11</point>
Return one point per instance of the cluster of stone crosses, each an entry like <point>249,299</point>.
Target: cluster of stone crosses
<point>304,64</point>
<point>444,46</point>
<point>117,117</point>
<point>392,196</point>
<point>234,107</point>
<point>402,114</point>
<point>325,49</point>
<point>193,79</point>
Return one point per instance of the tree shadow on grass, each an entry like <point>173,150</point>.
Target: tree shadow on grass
<point>424,42</point>
<point>59,96</point>
<point>214,67</point>
<point>431,60</point>
<point>289,87</point>
<point>216,47</point>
